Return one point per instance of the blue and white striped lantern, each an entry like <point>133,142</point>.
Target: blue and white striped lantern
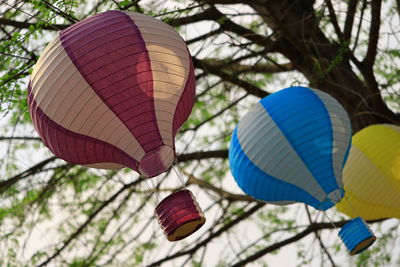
<point>291,147</point>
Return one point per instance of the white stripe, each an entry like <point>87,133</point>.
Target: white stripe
<point>341,132</point>
<point>170,65</point>
<point>66,98</point>
<point>267,147</point>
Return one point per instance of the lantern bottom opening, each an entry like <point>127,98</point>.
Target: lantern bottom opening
<point>332,198</point>
<point>186,229</point>
<point>363,245</point>
<point>156,161</point>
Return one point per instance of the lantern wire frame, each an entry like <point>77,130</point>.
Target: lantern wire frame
<point>151,184</point>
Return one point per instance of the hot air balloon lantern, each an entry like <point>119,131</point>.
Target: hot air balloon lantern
<point>112,91</point>
<point>371,176</point>
<point>291,147</point>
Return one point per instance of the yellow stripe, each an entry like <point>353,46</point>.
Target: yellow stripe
<point>381,144</point>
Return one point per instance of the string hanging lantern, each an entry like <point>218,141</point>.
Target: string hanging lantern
<point>112,91</point>
<point>291,147</point>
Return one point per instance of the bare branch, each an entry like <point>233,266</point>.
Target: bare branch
<point>333,19</point>
<point>348,24</point>
<point>219,113</point>
<point>208,14</point>
<point>223,2</point>
<point>4,185</point>
<point>256,68</point>
<point>319,238</point>
<point>373,33</point>
<point>398,6</point>
<point>310,229</point>
<point>205,36</point>
<point>88,220</point>
<point>24,138</point>
<point>224,194</point>
<point>223,153</point>
<point>250,35</point>
<point>248,87</point>
<point>26,25</point>
<point>211,236</point>
<point>361,19</point>
<point>59,12</point>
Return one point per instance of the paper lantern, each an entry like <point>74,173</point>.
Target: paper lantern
<point>291,147</point>
<point>178,214</point>
<point>112,91</point>
<point>357,236</point>
<point>371,176</point>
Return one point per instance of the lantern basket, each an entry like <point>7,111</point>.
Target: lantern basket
<point>179,215</point>
<point>357,236</point>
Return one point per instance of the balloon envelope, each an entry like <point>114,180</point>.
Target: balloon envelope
<point>371,176</point>
<point>112,91</point>
<point>291,147</point>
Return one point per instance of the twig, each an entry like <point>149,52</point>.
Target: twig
<point>319,238</point>
<point>88,220</point>
<point>221,230</point>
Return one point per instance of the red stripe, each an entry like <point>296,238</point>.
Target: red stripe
<point>73,147</point>
<point>186,102</point>
<point>110,53</point>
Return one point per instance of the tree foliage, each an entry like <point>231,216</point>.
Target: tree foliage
<point>55,214</point>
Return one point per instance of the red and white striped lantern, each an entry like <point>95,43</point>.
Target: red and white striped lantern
<point>111,91</point>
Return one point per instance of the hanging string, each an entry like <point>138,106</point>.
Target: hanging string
<point>317,217</point>
<point>326,215</point>
<point>151,188</point>
<point>175,167</point>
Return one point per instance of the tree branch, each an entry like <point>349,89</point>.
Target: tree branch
<point>223,2</point>
<point>208,14</point>
<point>223,153</point>
<point>211,236</point>
<point>364,6</point>
<point>205,36</point>
<point>224,194</point>
<point>398,7</point>
<point>250,35</point>
<point>333,19</point>
<point>59,12</point>
<point>310,229</point>
<point>256,68</point>
<point>24,138</point>
<point>26,25</point>
<point>4,185</point>
<point>373,33</point>
<point>248,87</point>
<point>219,113</point>
<point>319,238</point>
<point>348,24</point>
<point>88,220</point>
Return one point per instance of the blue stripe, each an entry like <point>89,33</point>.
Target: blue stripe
<point>346,155</point>
<point>303,119</point>
<point>256,183</point>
